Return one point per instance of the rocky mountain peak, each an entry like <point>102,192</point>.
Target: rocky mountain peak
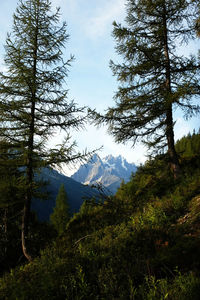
<point>109,171</point>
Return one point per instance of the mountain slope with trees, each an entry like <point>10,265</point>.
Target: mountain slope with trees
<point>76,193</point>
<point>41,231</point>
<point>141,244</point>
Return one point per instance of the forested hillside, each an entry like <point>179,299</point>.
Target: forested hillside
<point>188,145</point>
<point>142,243</point>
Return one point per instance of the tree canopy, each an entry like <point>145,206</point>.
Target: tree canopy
<point>154,78</point>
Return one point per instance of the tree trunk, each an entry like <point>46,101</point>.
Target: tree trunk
<point>30,149</point>
<point>25,223</point>
<point>5,222</point>
<point>174,162</point>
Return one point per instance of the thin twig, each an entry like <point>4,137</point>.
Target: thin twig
<point>84,237</point>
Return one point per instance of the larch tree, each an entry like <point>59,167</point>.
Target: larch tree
<point>33,101</point>
<point>154,77</point>
<point>61,213</point>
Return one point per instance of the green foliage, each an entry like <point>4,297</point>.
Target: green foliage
<point>189,145</point>
<point>61,214</point>
<point>182,287</point>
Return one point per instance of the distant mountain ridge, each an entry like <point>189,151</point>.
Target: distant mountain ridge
<point>108,171</point>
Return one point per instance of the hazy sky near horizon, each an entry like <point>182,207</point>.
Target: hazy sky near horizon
<point>90,80</point>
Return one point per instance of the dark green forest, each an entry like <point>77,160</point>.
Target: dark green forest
<point>141,243</point>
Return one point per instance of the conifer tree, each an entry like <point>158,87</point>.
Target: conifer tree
<point>154,78</point>
<point>33,102</point>
<point>61,214</point>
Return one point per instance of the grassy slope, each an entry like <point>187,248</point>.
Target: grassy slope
<point>141,244</point>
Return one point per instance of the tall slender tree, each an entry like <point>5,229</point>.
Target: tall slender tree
<point>154,77</point>
<point>33,102</point>
<point>61,214</point>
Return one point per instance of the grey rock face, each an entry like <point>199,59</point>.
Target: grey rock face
<point>108,171</point>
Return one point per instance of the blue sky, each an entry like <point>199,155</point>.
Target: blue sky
<point>90,80</point>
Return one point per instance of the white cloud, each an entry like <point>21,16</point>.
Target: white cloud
<point>93,18</point>
<point>97,25</point>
